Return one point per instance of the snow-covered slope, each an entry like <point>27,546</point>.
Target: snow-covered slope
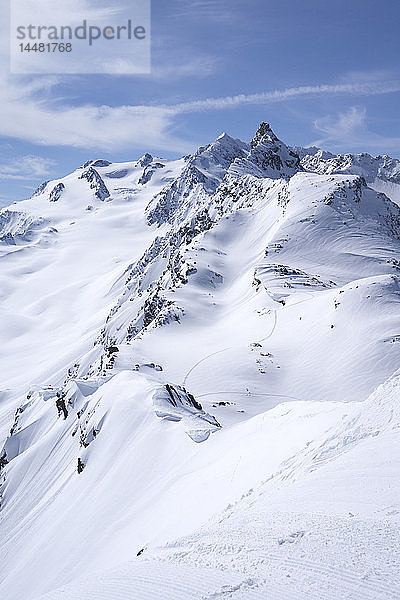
<point>197,396</point>
<point>382,173</point>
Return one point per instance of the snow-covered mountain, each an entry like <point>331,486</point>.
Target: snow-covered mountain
<point>382,173</point>
<point>200,386</point>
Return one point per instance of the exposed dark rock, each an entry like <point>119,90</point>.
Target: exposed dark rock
<point>264,132</point>
<point>56,192</point>
<point>60,404</point>
<point>175,403</point>
<point>40,189</point>
<point>96,183</point>
<point>145,160</point>
<point>3,460</point>
<point>97,163</point>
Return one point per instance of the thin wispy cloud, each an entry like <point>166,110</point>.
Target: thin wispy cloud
<point>343,125</point>
<point>352,89</point>
<point>26,116</point>
<point>213,10</point>
<point>350,129</point>
<point>27,168</point>
<point>196,66</point>
<point>32,110</point>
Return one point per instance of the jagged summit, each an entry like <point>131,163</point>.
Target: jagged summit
<point>263,133</point>
<point>227,140</point>
<point>268,156</point>
<point>145,160</point>
<point>223,141</point>
<point>224,136</point>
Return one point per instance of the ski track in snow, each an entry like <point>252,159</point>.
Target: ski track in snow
<point>308,564</point>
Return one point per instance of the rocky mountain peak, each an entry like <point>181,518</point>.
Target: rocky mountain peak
<point>145,160</point>
<point>264,133</point>
<point>268,157</point>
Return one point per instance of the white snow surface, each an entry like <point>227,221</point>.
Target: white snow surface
<point>200,379</point>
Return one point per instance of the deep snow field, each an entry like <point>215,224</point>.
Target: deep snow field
<point>200,379</point>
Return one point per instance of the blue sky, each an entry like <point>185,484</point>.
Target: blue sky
<point>320,72</point>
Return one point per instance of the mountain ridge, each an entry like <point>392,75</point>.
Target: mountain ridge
<point>217,333</point>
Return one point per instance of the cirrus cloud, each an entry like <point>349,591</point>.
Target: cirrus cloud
<point>350,128</point>
<point>28,168</point>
